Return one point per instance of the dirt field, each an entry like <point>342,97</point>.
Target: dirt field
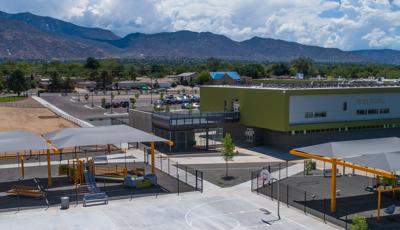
<point>34,119</point>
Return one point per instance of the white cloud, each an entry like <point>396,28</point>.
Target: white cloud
<point>346,24</point>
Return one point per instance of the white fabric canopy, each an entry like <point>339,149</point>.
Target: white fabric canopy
<point>379,153</point>
<point>15,141</point>
<point>354,148</point>
<point>385,161</point>
<point>101,135</point>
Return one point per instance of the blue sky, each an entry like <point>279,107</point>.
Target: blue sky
<point>345,24</point>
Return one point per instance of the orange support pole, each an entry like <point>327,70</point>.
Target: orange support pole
<point>333,186</point>
<point>379,204</point>
<point>49,179</point>
<point>153,171</point>
<point>22,167</point>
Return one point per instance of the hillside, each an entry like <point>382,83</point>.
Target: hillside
<point>28,36</point>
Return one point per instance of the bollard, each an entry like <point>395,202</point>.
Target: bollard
<point>178,183</point>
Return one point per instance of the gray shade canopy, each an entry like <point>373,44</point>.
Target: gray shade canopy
<point>15,141</point>
<point>101,135</point>
<point>384,161</point>
<point>354,148</point>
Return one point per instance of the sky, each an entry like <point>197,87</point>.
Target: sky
<point>344,24</point>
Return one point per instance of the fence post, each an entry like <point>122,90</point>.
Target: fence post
<point>279,173</point>
<point>305,200</point>
<point>252,173</point>
<point>346,218</point>
<point>177,178</point>
<point>325,210</point>
<point>196,180</point>
<point>168,165</point>
<point>177,167</point>
<point>287,169</point>
<point>258,190</point>
<point>186,173</point>
<point>287,195</point>
<point>272,191</point>
<point>161,162</point>
<point>202,182</point>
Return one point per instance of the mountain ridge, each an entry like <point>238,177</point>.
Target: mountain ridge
<point>38,37</point>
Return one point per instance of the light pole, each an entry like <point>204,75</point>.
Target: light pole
<point>151,89</point>
<point>112,97</point>
<point>92,100</point>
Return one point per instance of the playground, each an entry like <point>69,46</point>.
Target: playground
<point>88,174</point>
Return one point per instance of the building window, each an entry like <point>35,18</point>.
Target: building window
<point>373,111</point>
<point>344,106</point>
<point>315,114</point>
<point>386,110</point>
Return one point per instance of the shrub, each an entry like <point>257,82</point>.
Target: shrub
<point>103,102</point>
<point>359,223</point>
<point>62,170</point>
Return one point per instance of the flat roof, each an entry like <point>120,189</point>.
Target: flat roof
<point>285,87</point>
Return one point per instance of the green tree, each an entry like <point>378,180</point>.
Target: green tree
<point>132,101</point>
<point>303,65</point>
<point>56,82</point>
<point>17,82</point>
<point>279,69</point>
<point>228,151</point>
<point>68,85</point>
<point>104,79</point>
<point>203,78</point>
<point>92,63</point>
<point>161,95</point>
<point>254,71</point>
<point>103,102</point>
<point>359,223</point>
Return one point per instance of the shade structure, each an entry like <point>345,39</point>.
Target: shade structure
<point>385,161</point>
<point>101,135</point>
<point>343,149</point>
<point>15,141</point>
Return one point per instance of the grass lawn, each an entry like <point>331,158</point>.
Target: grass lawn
<point>11,98</point>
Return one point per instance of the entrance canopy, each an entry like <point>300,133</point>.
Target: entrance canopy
<point>385,161</point>
<point>15,141</point>
<point>101,135</point>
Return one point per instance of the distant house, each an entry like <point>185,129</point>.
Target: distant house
<point>86,84</point>
<point>186,77</point>
<point>225,78</point>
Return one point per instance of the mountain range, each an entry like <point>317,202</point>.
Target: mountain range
<point>29,36</point>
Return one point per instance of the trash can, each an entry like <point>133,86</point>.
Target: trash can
<point>64,202</point>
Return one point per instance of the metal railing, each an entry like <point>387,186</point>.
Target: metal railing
<point>194,118</point>
<point>187,175</point>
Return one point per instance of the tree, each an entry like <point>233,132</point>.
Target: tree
<point>279,69</point>
<point>68,85</point>
<point>161,95</point>
<point>254,71</point>
<point>359,223</point>
<point>132,100</point>
<point>55,82</point>
<point>105,79</point>
<point>303,65</point>
<point>228,151</point>
<point>92,63</point>
<point>17,82</point>
<point>204,77</point>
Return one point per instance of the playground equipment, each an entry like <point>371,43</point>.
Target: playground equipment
<point>20,190</point>
<point>76,171</point>
<point>390,209</point>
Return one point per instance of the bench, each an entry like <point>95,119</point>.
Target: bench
<point>328,172</point>
<point>95,198</point>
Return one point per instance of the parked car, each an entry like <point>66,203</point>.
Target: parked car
<point>124,104</point>
<point>185,106</point>
<point>107,105</point>
<point>196,105</point>
<point>116,105</point>
<point>194,98</point>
